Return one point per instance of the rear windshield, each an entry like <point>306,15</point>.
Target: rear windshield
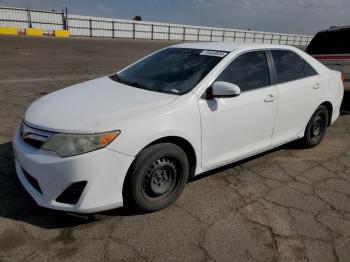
<point>332,42</point>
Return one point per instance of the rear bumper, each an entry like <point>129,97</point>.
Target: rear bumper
<point>337,102</point>
<point>335,114</point>
<point>104,170</point>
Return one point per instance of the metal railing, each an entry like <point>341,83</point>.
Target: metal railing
<point>108,27</point>
<point>23,18</point>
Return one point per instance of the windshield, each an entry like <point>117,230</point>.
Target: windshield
<point>172,70</point>
<point>331,42</point>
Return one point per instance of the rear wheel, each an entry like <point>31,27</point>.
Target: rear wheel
<point>316,128</point>
<point>158,176</point>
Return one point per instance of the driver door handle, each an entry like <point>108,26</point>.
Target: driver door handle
<point>269,98</point>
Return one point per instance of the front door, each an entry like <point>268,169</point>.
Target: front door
<point>235,127</point>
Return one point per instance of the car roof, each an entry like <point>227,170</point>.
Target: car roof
<point>228,46</point>
<point>336,28</point>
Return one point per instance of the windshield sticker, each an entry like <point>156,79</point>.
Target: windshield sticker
<point>213,53</point>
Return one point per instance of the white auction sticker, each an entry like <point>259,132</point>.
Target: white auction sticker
<point>213,53</point>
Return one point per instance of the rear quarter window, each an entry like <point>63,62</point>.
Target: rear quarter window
<point>309,70</point>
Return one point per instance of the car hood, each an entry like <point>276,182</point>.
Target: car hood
<point>88,106</point>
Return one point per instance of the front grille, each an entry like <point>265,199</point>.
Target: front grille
<point>32,181</point>
<point>34,137</point>
<point>72,194</point>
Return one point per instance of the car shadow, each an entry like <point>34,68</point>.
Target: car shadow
<point>295,145</point>
<point>17,204</point>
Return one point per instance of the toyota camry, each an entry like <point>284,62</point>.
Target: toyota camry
<point>137,136</point>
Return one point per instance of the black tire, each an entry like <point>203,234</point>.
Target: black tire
<point>157,178</point>
<point>316,128</point>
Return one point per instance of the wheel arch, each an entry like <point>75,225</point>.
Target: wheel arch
<point>329,107</point>
<point>184,144</point>
<point>177,140</point>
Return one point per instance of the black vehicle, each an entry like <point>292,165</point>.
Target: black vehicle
<point>332,48</point>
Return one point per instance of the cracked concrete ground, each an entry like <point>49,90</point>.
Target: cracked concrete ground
<point>289,204</point>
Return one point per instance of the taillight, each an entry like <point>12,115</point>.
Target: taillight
<point>342,77</point>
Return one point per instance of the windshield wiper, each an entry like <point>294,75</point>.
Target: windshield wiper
<point>134,84</point>
<point>139,85</point>
<point>118,79</point>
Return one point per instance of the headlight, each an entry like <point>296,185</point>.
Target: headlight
<point>67,145</point>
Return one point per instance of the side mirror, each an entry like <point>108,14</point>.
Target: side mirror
<point>223,89</point>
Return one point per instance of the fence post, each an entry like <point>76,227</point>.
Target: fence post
<point>245,35</point>
<point>90,23</point>
<point>184,34</point>
<point>113,29</point>
<point>64,26</point>
<point>67,23</point>
<point>271,38</point>
<point>234,36</point>
<point>223,36</point>
<point>211,35</point>
<point>198,34</point>
<point>66,11</point>
<point>29,18</point>
<point>65,18</point>
<point>133,30</point>
<point>169,33</point>
<point>263,38</point>
<point>152,31</point>
<point>279,40</point>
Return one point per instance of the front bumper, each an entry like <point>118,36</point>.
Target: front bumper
<point>104,170</point>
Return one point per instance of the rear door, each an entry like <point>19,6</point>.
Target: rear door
<point>298,89</point>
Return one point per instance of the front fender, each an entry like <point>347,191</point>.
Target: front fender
<point>176,120</point>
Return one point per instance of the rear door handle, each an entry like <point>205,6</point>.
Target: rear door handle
<point>317,86</point>
<point>269,99</point>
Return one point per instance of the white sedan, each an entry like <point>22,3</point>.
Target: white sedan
<point>136,137</point>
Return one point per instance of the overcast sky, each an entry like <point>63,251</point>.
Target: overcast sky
<point>285,16</point>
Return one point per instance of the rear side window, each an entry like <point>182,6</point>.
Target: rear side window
<point>289,66</point>
<point>249,71</point>
<point>309,70</point>
<point>330,42</point>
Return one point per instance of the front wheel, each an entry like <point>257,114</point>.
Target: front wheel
<point>316,128</point>
<point>158,176</point>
